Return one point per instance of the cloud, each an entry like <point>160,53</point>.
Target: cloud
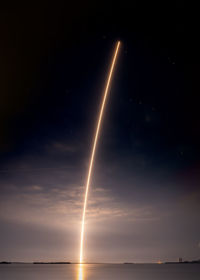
<point>36,188</point>
<point>63,147</point>
<point>62,208</point>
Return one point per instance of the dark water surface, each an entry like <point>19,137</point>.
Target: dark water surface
<point>100,272</point>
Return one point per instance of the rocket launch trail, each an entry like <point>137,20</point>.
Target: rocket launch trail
<point>95,144</point>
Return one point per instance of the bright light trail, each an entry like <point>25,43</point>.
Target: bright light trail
<point>94,147</point>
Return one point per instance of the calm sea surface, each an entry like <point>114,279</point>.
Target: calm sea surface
<point>99,272</point>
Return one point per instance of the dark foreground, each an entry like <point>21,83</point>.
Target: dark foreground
<point>100,272</point>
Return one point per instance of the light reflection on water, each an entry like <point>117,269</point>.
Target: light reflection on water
<point>80,272</point>
<point>136,272</point>
<point>99,272</point>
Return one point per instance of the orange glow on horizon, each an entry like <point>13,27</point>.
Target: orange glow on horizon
<point>94,148</point>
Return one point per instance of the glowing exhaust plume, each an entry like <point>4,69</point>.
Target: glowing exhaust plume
<point>94,147</point>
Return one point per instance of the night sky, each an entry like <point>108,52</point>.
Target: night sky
<point>144,197</point>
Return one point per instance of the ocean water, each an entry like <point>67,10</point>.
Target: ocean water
<point>100,272</point>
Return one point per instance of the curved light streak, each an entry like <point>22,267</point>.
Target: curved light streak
<point>94,147</point>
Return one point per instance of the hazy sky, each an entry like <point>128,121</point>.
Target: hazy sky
<point>144,196</point>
